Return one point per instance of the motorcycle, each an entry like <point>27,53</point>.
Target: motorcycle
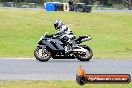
<point>51,46</point>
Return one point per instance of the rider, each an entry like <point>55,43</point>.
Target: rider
<point>66,35</point>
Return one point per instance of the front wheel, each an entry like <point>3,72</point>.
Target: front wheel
<point>42,54</point>
<point>85,56</point>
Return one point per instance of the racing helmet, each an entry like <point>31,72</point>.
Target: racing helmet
<point>57,24</point>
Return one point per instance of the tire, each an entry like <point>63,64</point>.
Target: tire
<point>42,54</point>
<point>81,80</point>
<point>87,56</point>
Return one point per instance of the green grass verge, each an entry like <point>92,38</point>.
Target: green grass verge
<point>57,84</point>
<point>21,29</point>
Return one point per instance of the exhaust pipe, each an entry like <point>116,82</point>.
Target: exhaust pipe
<point>86,39</point>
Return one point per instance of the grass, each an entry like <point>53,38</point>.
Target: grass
<point>20,30</point>
<point>57,84</point>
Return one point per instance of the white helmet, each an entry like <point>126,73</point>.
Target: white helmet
<point>57,24</point>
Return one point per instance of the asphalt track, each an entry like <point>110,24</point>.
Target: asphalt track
<point>112,10</point>
<point>31,69</point>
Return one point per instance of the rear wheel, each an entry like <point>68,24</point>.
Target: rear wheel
<point>85,56</point>
<point>42,54</point>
